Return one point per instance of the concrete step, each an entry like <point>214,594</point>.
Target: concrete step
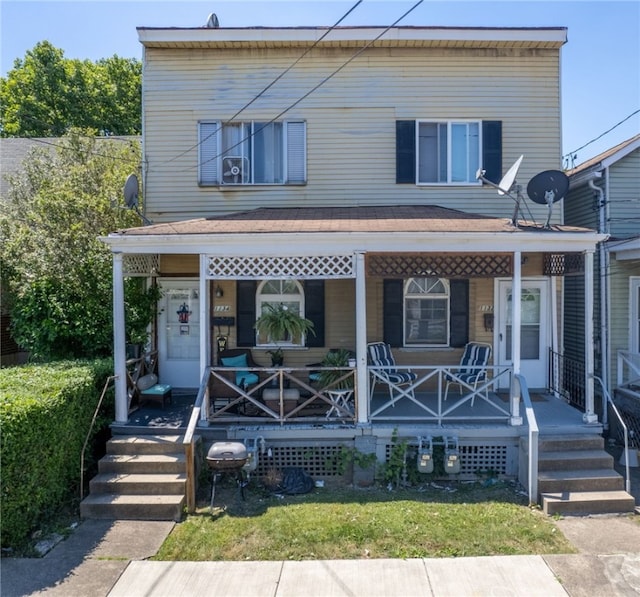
<point>145,444</point>
<point>139,484</point>
<point>587,502</point>
<point>559,443</point>
<point>574,459</point>
<point>579,480</point>
<point>142,464</point>
<point>132,507</point>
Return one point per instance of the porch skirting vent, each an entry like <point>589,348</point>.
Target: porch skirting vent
<point>315,267</point>
<point>319,461</point>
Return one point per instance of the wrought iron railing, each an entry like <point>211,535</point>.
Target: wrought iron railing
<point>567,379</point>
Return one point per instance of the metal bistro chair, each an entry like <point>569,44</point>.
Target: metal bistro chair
<point>472,369</point>
<point>380,356</point>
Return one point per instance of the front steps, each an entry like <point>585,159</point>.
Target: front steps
<point>576,476</point>
<point>139,478</point>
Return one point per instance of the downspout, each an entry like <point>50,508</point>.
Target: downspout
<point>604,294</point>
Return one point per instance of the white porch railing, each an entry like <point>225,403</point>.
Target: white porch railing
<point>521,390</point>
<point>430,404</point>
<point>628,369</point>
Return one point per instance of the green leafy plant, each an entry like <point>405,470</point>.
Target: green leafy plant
<point>279,324</point>
<point>337,379</point>
<point>141,308</point>
<point>345,457</point>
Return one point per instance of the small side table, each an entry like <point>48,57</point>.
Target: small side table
<point>340,398</point>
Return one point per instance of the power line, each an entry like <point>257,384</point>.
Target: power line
<point>269,86</point>
<point>571,155</point>
<point>327,78</point>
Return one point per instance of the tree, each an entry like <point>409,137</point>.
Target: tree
<point>56,273</point>
<point>45,95</point>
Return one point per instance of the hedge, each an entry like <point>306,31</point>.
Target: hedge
<point>45,414</point>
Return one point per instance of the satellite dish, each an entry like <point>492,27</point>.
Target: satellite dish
<point>212,21</point>
<point>547,188</point>
<point>131,191</point>
<point>504,186</point>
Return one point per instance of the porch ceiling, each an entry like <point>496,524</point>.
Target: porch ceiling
<point>357,228</point>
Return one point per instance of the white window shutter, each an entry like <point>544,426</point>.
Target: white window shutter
<point>208,153</point>
<point>296,152</point>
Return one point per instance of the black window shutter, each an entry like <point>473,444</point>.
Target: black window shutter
<point>406,151</point>
<point>246,310</point>
<point>392,312</point>
<point>492,150</point>
<point>459,313</point>
<point>314,310</point>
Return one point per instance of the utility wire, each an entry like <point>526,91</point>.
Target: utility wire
<point>572,155</point>
<point>327,78</point>
<point>269,86</point>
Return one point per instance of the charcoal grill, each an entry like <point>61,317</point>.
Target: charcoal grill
<point>227,457</point>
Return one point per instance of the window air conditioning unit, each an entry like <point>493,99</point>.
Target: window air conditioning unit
<point>234,170</point>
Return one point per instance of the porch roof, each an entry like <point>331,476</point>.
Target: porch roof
<point>364,227</point>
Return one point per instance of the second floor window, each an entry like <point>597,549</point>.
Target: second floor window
<point>448,152</point>
<point>253,152</point>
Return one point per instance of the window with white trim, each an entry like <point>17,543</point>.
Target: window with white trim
<point>449,152</point>
<point>289,294</point>
<point>426,312</point>
<point>252,152</point>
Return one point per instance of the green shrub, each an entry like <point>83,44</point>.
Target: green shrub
<point>45,414</point>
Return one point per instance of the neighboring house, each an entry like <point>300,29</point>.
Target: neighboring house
<point>605,195</point>
<point>348,190</point>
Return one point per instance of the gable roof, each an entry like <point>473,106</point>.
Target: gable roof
<point>606,158</point>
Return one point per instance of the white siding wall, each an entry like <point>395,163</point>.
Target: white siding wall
<point>350,121</point>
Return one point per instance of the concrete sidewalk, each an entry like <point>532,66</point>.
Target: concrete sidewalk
<point>108,558</point>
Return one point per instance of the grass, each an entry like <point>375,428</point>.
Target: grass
<point>442,521</point>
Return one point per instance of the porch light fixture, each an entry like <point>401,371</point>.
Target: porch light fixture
<point>425,455</point>
<point>451,456</point>
<point>219,293</point>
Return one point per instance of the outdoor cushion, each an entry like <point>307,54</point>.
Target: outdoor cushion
<point>243,378</point>
<point>147,381</point>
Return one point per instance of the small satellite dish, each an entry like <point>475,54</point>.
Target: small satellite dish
<point>504,186</point>
<point>131,191</point>
<point>212,21</point>
<point>547,188</point>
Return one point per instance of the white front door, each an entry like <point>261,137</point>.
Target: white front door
<point>179,333</point>
<point>534,330</point>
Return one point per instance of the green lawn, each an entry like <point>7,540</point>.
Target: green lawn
<point>443,521</point>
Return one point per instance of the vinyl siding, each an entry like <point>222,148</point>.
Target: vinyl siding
<point>624,196</point>
<point>350,121</point>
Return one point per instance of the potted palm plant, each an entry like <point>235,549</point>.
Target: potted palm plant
<point>331,378</point>
<point>279,324</point>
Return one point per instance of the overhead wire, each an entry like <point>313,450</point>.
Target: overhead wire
<point>313,89</point>
<point>269,86</point>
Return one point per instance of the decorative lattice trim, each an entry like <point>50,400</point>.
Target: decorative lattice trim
<point>567,264</point>
<point>264,268</point>
<point>460,265</point>
<point>319,461</point>
<point>140,265</point>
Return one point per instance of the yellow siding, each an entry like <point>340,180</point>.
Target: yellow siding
<point>350,121</point>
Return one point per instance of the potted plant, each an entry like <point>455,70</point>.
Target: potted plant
<point>279,324</point>
<point>141,308</point>
<point>329,378</point>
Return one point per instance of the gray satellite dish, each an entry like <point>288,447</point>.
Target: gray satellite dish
<point>547,188</point>
<point>505,185</point>
<point>212,21</point>
<point>131,191</point>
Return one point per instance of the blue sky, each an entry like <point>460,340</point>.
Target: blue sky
<point>600,62</point>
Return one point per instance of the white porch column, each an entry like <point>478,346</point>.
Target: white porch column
<point>119,347</point>
<point>516,321</point>
<point>589,415</point>
<point>205,332</point>
<point>362,397</point>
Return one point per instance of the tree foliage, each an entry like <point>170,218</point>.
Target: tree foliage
<point>46,94</point>
<point>57,275</point>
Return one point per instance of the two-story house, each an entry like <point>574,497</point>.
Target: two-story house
<point>605,195</point>
<point>338,173</point>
